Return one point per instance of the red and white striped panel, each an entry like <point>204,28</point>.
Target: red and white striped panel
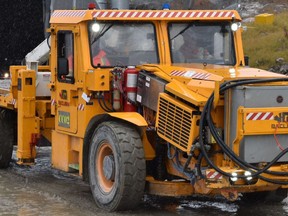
<point>213,175</point>
<point>163,14</point>
<point>53,102</point>
<point>201,76</point>
<point>81,107</point>
<point>259,116</point>
<point>177,73</point>
<point>190,74</point>
<point>69,13</point>
<point>13,102</point>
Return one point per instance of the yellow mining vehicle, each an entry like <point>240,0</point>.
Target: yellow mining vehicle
<point>154,101</point>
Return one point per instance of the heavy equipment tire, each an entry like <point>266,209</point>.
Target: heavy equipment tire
<point>7,136</point>
<point>117,167</point>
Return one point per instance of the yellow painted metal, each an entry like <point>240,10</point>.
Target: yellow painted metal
<point>264,19</point>
<point>98,80</point>
<point>246,126</point>
<point>159,71</point>
<point>202,87</point>
<point>259,127</point>
<point>132,117</point>
<point>28,125</point>
<point>169,188</point>
<point>181,90</point>
<point>47,121</point>
<point>148,149</point>
<point>66,150</point>
<point>216,94</point>
<point>60,151</point>
<point>238,49</point>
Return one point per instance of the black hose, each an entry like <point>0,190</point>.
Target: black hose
<point>104,107</point>
<point>198,166</point>
<point>206,118</point>
<point>48,41</point>
<point>228,149</point>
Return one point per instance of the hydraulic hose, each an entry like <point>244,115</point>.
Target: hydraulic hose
<point>206,119</point>
<point>225,146</point>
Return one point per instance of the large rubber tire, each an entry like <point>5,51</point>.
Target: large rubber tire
<point>117,167</point>
<point>7,136</point>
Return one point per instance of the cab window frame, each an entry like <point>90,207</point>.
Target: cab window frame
<point>232,48</point>
<point>65,56</point>
<point>111,24</point>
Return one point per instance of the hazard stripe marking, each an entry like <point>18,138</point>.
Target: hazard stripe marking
<point>13,102</point>
<point>162,14</point>
<point>177,73</point>
<point>53,102</point>
<point>81,107</point>
<point>69,13</point>
<point>190,74</point>
<point>145,14</point>
<point>213,175</point>
<point>259,116</point>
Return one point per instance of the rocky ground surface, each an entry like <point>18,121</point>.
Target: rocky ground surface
<point>251,8</point>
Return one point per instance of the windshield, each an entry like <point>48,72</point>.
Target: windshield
<point>201,43</point>
<point>122,44</point>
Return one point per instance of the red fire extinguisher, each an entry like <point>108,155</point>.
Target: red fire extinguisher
<point>116,94</point>
<point>130,89</point>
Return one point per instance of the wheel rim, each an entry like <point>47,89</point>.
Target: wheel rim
<point>105,167</point>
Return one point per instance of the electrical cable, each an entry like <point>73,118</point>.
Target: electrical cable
<point>276,139</point>
<point>206,119</point>
<point>105,105</point>
<point>48,41</point>
<point>198,166</point>
<point>234,156</point>
<point>101,105</point>
<point>179,167</point>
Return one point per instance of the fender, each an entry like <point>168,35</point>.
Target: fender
<point>132,117</point>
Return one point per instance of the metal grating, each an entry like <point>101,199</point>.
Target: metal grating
<point>174,122</point>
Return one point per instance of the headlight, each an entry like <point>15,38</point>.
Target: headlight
<point>95,27</point>
<point>235,26</point>
<point>248,175</point>
<point>234,177</point>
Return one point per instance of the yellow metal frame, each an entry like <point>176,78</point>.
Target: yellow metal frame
<point>28,125</point>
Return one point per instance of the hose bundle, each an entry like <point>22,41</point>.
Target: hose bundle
<point>206,120</point>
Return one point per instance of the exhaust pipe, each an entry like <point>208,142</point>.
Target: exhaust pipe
<point>119,4</point>
<point>102,4</point>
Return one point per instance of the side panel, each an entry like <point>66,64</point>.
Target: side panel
<point>261,114</point>
<point>66,152</point>
<point>28,126</point>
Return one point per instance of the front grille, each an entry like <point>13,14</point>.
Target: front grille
<point>174,122</point>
